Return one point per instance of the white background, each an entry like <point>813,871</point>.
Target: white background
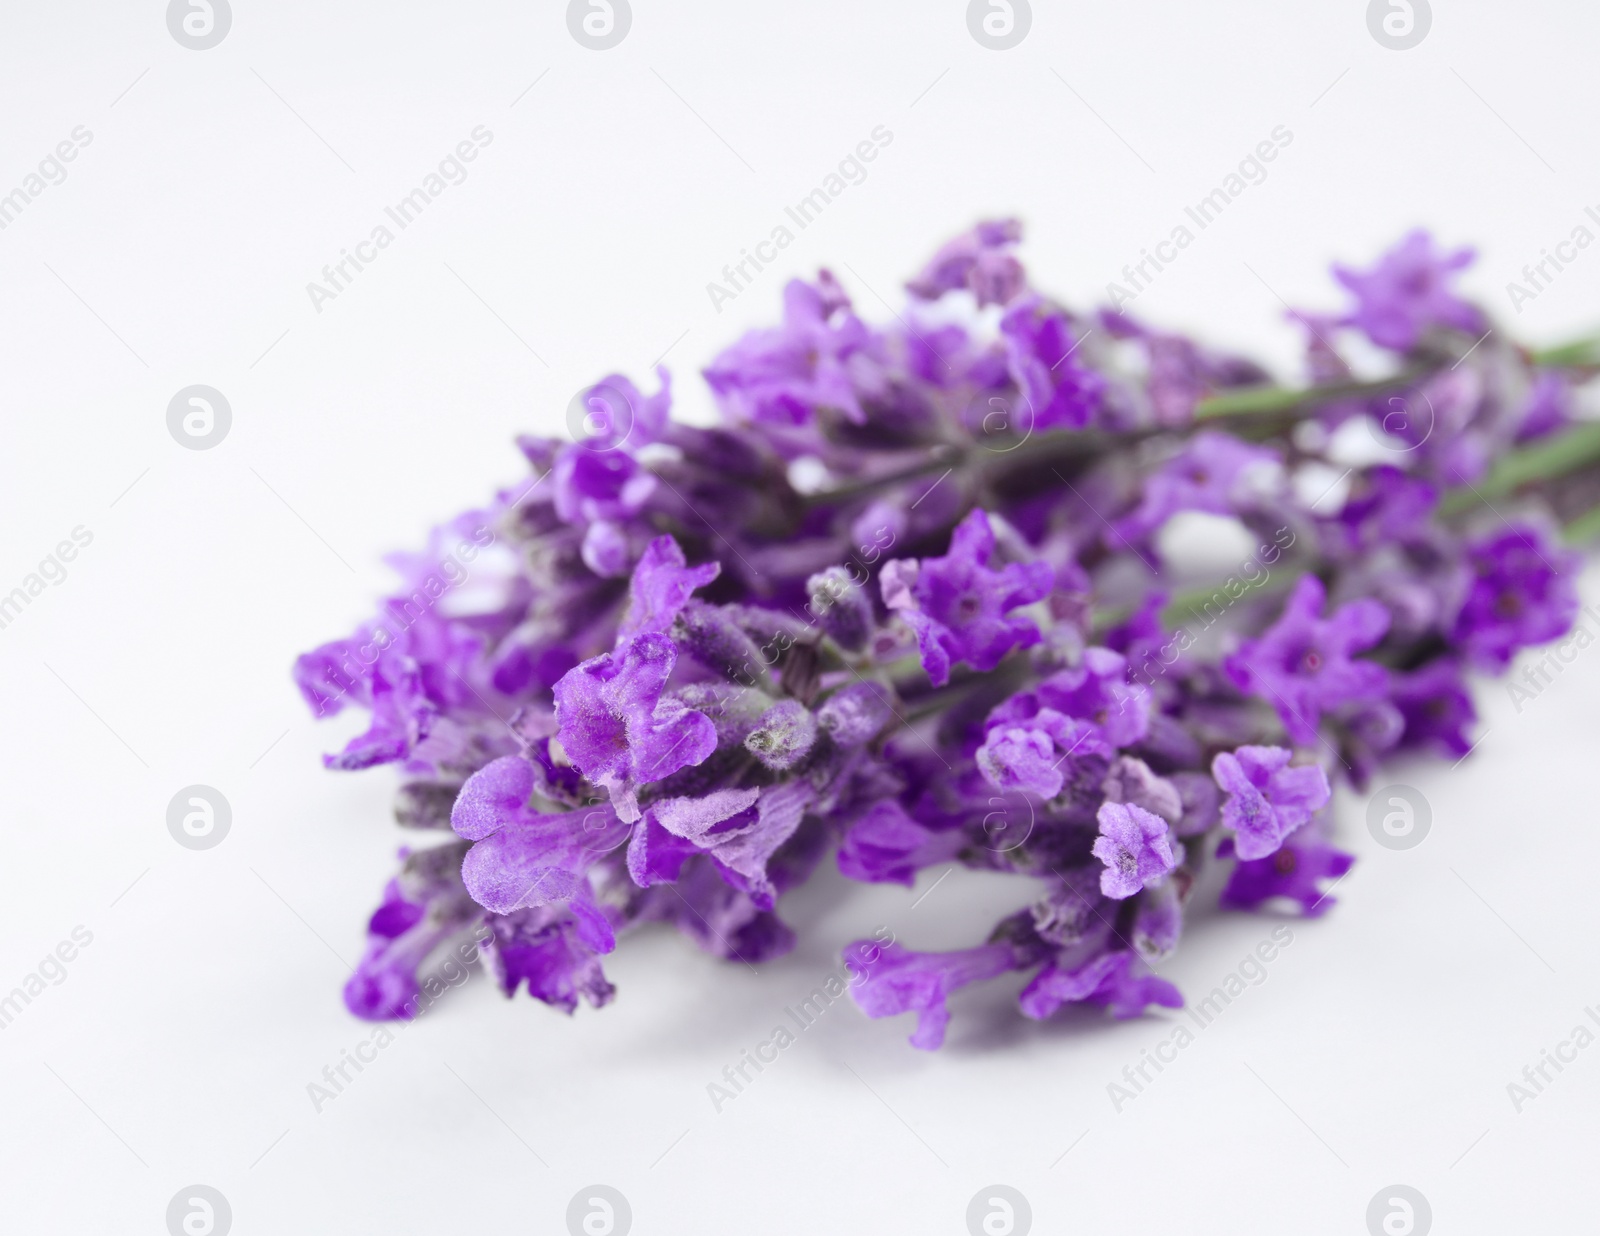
<point>178,250</point>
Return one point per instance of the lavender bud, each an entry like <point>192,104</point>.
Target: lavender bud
<point>855,715</point>
<point>787,731</point>
<point>711,638</point>
<point>1158,922</point>
<point>734,711</point>
<point>802,672</point>
<point>1130,780</point>
<point>841,608</point>
<point>425,804</point>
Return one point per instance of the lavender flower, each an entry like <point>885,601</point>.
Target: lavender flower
<point>423,908</point>
<point>1407,292</point>
<point>1211,474</point>
<point>887,845</point>
<point>1267,800</point>
<point>1134,846</point>
<point>923,626</point>
<point>892,979</point>
<point>1117,980</point>
<point>1293,872</point>
<point>1386,506</point>
<point>1096,691</point>
<point>1435,708</point>
<point>1058,390</point>
<point>785,377</point>
<point>1303,664</point>
<point>958,606</point>
<point>1014,758</point>
<point>554,952</point>
<point>979,261</point>
<point>661,586</point>
<point>524,857</point>
<point>1523,594</point>
<point>619,730</point>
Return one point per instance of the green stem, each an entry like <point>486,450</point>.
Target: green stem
<point>1577,448</point>
<point>1191,604</point>
<point>1243,403</point>
<point>1577,354</point>
<point>947,456</point>
<point>1584,528</point>
<point>1263,400</point>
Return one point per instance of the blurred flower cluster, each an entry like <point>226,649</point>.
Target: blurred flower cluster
<point>922,598</point>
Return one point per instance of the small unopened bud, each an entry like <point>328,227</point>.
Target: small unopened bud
<point>840,608</point>
<point>735,711</point>
<point>855,715</point>
<point>1130,780</point>
<point>711,638</point>
<point>1159,920</point>
<point>787,731</point>
<point>425,804</point>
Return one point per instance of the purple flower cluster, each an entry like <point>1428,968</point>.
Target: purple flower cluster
<point>909,605</point>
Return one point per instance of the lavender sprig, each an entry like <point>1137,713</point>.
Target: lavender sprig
<point>910,603</point>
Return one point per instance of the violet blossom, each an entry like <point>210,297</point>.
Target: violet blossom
<point>1266,798</point>
<point>958,606</point>
<point>1408,291</point>
<point>1303,665</point>
<point>1135,847</point>
<point>895,612</point>
<point>619,730</point>
<point>891,979</point>
<point>1523,593</point>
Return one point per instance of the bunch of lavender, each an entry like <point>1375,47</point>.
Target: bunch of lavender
<point>907,605</point>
